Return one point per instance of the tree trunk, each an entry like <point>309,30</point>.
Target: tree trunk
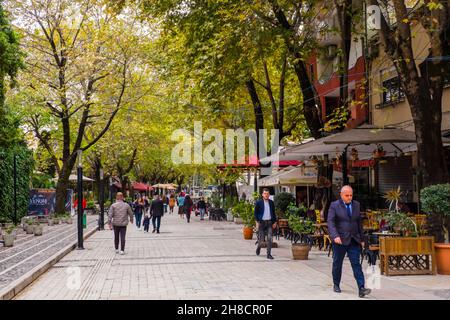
<point>61,190</point>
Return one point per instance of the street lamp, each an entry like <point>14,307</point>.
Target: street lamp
<point>80,198</point>
<point>101,220</point>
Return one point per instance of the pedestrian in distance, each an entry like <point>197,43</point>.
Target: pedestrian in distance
<point>201,205</point>
<point>346,231</point>
<point>139,207</point>
<point>165,201</point>
<point>267,220</point>
<point>171,203</point>
<point>118,215</point>
<point>180,201</point>
<point>188,205</point>
<point>156,211</point>
<point>146,221</point>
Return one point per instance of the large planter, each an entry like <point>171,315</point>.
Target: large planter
<point>300,251</point>
<point>407,255</point>
<point>50,222</point>
<point>38,229</point>
<point>29,228</point>
<point>8,240</point>
<point>442,252</point>
<point>248,233</point>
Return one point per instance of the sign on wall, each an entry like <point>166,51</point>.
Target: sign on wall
<point>43,201</point>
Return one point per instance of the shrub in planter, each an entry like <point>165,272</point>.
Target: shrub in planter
<point>282,201</point>
<point>303,228</point>
<point>29,226</point>
<point>435,200</point>
<point>244,210</point>
<point>9,236</point>
<point>400,222</point>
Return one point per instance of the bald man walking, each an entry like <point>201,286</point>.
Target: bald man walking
<point>345,227</point>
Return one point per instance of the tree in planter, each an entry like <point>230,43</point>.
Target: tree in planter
<point>435,200</point>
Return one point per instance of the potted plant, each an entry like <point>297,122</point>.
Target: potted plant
<point>50,220</point>
<point>435,200</point>
<point>9,236</point>
<point>246,212</point>
<point>38,229</point>
<point>29,226</point>
<point>303,228</point>
<point>69,219</point>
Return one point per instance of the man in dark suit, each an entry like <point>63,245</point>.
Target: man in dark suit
<point>267,220</point>
<point>345,227</point>
<point>156,211</point>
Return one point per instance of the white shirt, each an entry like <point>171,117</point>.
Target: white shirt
<point>266,215</point>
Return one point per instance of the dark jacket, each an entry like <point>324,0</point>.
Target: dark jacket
<point>157,208</point>
<point>339,224</point>
<point>201,204</point>
<point>259,210</point>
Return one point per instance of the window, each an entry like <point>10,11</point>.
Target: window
<point>392,91</point>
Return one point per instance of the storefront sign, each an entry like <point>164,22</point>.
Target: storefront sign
<point>363,163</point>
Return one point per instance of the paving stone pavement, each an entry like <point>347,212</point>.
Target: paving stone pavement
<point>207,260</point>
<point>29,250</point>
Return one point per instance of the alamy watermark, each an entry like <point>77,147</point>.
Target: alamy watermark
<point>73,281</point>
<point>373,17</point>
<point>373,276</point>
<point>229,150</point>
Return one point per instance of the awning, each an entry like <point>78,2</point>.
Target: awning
<point>272,179</point>
<point>364,140</point>
<point>139,186</point>
<point>299,176</point>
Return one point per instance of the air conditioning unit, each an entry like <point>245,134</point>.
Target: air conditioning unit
<point>331,51</point>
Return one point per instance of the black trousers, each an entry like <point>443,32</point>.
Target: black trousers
<point>156,221</point>
<point>263,227</point>
<point>119,231</point>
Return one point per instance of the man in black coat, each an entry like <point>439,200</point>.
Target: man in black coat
<point>156,212</point>
<point>345,227</point>
<point>267,220</point>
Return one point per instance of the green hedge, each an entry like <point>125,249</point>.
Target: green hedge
<point>24,158</point>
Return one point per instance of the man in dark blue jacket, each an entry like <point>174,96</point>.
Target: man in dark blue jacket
<point>266,219</point>
<point>345,227</point>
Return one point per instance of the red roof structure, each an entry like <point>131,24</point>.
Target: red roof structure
<point>140,186</point>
